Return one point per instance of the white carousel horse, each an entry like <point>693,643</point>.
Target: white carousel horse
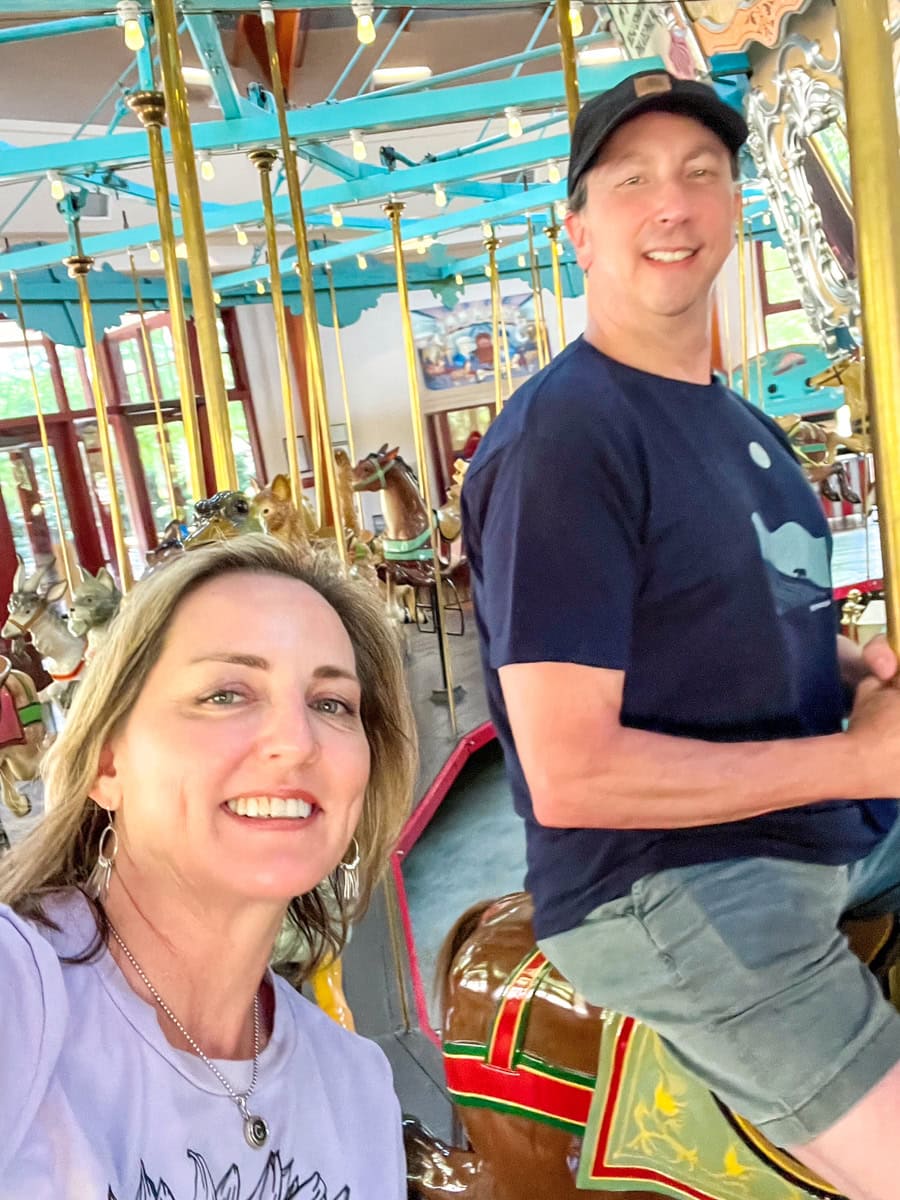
<point>29,612</point>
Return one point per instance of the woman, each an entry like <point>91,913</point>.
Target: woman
<point>241,747</point>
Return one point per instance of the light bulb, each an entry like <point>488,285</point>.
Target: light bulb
<point>260,287</point>
<point>57,187</point>
<point>553,175</point>
<point>575,20</point>
<point>337,217</point>
<point>207,167</point>
<point>440,196</point>
<point>241,236</point>
<point>359,146</point>
<point>365,30</point>
<point>487,270</point>
<point>560,209</point>
<point>181,250</point>
<point>217,296</point>
<point>513,123</point>
<point>459,279</point>
<point>521,260</point>
<point>155,255</point>
<point>134,35</point>
<point>361,262</point>
<point>487,229</point>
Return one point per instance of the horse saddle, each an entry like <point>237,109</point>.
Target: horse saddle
<point>12,732</point>
<point>646,1125</point>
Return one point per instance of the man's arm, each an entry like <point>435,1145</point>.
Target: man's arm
<point>584,769</point>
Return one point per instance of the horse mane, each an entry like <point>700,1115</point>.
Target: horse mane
<point>458,935</point>
<point>403,463</point>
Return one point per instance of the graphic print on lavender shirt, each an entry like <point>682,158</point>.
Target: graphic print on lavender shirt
<point>276,1182</point>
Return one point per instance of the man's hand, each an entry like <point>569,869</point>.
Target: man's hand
<point>875,719</point>
<point>880,659</point>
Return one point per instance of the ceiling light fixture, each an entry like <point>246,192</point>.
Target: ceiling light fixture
<point>575,18</point>
<point>241,236</point>
<point>260,287</point>
<point>57,187</point>
<point>337,217</point>
<point>358,145</point>
<point>155,255</point>
<point>440,196</point>
<point>459,279</point>
<point>361,262</point>
<point>128,17</point>
<point>389,76</point>
<point>365,27</point>
<point>513,122</point>
<point>207,166</point>
<point>553,175</point>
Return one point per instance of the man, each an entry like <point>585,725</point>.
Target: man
<point>652,587</point>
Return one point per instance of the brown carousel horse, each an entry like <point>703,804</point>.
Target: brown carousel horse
<point>406,543</point>
<point>546,1085</point>
<point>816,449</point>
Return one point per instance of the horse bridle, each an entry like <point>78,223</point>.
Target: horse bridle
<point>379,472</point>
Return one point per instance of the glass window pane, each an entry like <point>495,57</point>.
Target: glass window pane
<point>30,509</point>
<point>155,472</point>
<point>227,368</point>
<point>787,328</point>
<point>133,369</point>
<point>244,461</point>
<point>69,358</point>
<point>164,356</point>
<point>16,395</point>
<point>98,485</point>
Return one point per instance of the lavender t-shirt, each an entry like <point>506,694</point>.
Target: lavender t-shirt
<point>96,1105</point>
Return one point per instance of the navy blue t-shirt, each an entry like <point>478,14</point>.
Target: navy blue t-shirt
<point>618,519</point>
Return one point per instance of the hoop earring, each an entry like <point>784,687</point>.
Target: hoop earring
<point>347,884</point>
<point>97,883</point>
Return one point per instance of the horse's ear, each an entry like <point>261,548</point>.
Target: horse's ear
<point>281,487</point>
<point>382,450</point>
<point>391,454</point>
<point>254,483</point>
<point>105,580</point>
<point>56,591</point>
<point>19,577</point>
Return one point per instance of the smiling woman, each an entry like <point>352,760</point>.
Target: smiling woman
<point>241,750</point>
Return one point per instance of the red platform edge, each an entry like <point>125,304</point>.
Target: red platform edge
<point>468,745</point>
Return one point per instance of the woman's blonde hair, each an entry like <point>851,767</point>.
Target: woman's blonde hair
<point>62,849</point>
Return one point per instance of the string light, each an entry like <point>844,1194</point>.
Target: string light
<point>260,287</point>
<point>459,279</point>
<point>207,167</point>
<point>337,217</point>
<point>361,262</point>
<point>521,260</point>
<point>487,270</point>
<point>359,146</point>
<point>155,255</point>
<point>553,175</point>
<point>181,250</point>
<point>128,16</point>
<point>217,296</point>
<point>440,196</point>
<point>365,27</point>
<point>57,187</point>
<point>513,122</point>
<point>241,236</point>
<point>560,209</point>
<point>575,18</point>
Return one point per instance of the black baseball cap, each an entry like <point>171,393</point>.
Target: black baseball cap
<point>649,91</point>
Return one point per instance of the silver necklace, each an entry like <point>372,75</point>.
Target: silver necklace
<point>256,1131</point>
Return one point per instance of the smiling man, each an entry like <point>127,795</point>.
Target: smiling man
<point>653,594</point>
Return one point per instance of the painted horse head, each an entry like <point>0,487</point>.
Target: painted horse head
<point>28,601</point>
<point>95,603</point>
<point>370,473</point>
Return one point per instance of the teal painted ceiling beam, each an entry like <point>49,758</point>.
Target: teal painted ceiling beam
<point>326,122</point>
<point>514,156</point>
<point>205,35</point>
<point>81,7</point>
<point>43,29</point>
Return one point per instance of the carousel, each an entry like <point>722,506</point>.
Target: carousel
<point>278,267</point>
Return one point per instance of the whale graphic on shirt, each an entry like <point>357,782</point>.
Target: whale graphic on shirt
<point>797,563</point>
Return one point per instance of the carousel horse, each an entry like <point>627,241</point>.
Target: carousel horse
<point>22,738</point>
<point>273,507</point>
<point>29,612</point>
<point>95,603</point>
<point>170,544</point>
<point>816,449</point>
<point>849,374</point>
<point>224,515</point>
<point>406,543</point>
<point>550,1088</point>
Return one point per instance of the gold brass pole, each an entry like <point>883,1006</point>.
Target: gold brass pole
<point>150,107</point>
<point>263,160</point>
<point>537,292</point>
<point>307,288</point>
<point>78,266</point>
<point>393,209</point>
<point>351,444</point>
<point>759,329</point>
<point>726,330</point>
<point>491,243</point>
<point>195,240</point>
<point>552,232</point>
<point>569,61</point>
<point>742,278</point>
<point>315,443</point>
<point>162,436</point>
<point>875,170</point>
<point>45,443</point>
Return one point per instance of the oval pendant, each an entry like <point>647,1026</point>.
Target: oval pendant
<point>256,1131</point>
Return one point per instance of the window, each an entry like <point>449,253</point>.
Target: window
<point>785,320</point>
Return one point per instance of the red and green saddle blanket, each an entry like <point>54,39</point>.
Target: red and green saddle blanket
<point>13,721</point>
<point>646,1124</point>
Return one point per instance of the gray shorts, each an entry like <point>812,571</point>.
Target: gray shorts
<point>740,967</point>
